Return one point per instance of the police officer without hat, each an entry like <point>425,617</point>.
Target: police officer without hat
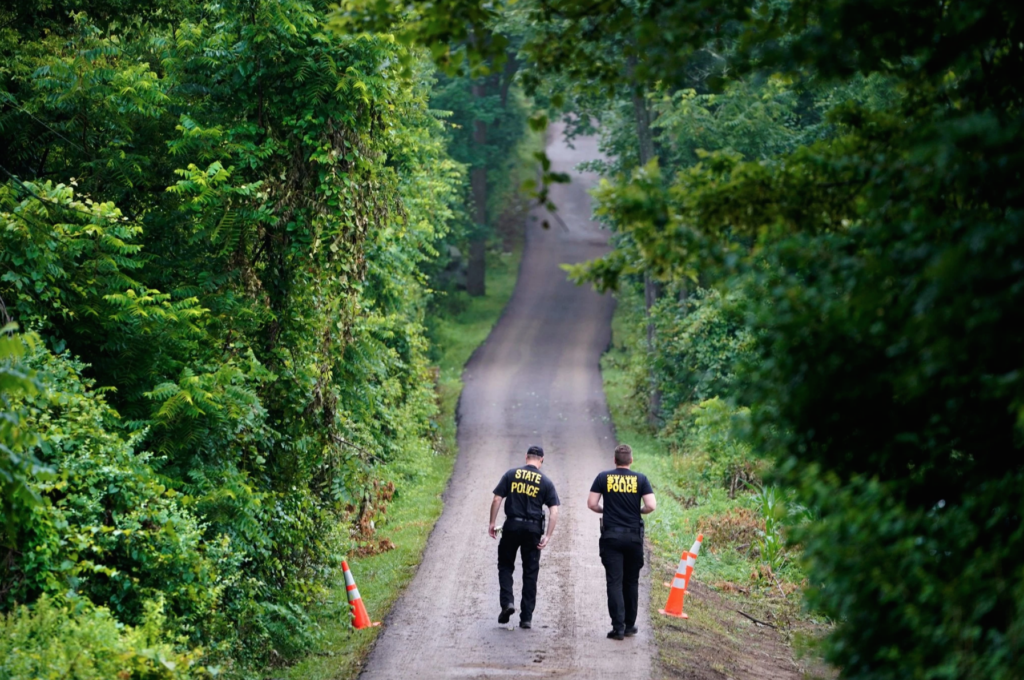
<point>526,491</point>
<point>622,536</point>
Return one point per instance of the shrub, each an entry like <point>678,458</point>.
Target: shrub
<point>737,527</point>
<point>17,462</point>
<point>699,343</point>
<point>709,430</point>
<point>76,641</point>
<point>107,528</point>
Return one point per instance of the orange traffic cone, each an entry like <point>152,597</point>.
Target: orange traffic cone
<point>360,619</point>
<point>674,606</point>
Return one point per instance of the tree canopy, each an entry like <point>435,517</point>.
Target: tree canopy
<point>217,223</point>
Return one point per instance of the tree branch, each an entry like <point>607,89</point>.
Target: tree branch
<point>511,66</point>
<point>757,621</point>
<point>344,442</point>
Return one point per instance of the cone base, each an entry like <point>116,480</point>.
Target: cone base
<point>372,624</point>
<point>680,615</point>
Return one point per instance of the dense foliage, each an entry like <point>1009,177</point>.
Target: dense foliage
<point>217,223</point>
<point>88,643</point>
<point>879,259</point>
<point>504,114</point>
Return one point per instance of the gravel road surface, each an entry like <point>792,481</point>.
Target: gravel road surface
<point>535,381</point>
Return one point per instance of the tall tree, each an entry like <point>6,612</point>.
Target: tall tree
<point>645,149</point>
<point>476,273</point>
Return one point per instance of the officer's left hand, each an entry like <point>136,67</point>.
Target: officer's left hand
<point>491,532</point>
<point>543,542</point>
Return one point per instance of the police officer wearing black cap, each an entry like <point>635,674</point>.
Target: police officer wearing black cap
<point>526,490</point>
<point>626,495</point>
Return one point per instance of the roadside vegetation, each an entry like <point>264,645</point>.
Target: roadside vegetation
<point>230,262</point>
<point>709,481</point>
<point>382,576</point>
<point>712,482</point>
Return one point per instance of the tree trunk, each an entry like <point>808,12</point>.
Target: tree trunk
<point>511,66</point>
<point>645,147</point>
<point>650,297</point>
<point>645,138</point>
<point>476,271</point>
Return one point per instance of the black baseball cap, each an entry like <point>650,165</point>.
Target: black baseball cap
<point>535,451</point>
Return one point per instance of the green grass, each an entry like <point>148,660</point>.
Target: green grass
<point>417,504</point>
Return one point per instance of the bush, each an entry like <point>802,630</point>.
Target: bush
<point>17,462</point>
<point>699,343</point>
<point>76,641</point>
<point>712,435</point>
<point>107,528</point>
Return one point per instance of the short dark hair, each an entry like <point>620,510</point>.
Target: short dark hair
<point>623,454</point>
<point>535,452</point>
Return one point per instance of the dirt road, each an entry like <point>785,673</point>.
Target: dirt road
<point>536,380</point>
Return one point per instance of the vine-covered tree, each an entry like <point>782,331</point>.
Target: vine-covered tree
<point>212,223</point>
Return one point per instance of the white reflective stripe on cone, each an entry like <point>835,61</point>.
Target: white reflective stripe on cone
<point>349,581</point>
<point>354,595</point>
<point>679,583</point>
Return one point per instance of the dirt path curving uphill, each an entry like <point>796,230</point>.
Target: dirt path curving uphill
<point>536,380</point>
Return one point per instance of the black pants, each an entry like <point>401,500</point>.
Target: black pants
<point>524,541</point>
<point>622,556</point>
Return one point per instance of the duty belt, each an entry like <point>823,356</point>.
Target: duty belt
<point>528,521</point>
<point>620,530</point>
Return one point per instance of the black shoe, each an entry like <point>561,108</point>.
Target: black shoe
<point>631,631</point>
<point>525,624</point>
<point>616,635</point>
<point>506,614</point>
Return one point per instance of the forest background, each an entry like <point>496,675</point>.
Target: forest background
<point>816,208</point>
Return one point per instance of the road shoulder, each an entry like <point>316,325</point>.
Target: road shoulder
<point>741,625</point>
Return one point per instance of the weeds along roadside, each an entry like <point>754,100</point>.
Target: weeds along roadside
<point>706,482</point>
<point>456,331</point>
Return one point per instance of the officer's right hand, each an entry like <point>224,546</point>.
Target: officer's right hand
<point>491,532</point>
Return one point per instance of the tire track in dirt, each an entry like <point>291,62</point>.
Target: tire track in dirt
<point>535,380</point>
